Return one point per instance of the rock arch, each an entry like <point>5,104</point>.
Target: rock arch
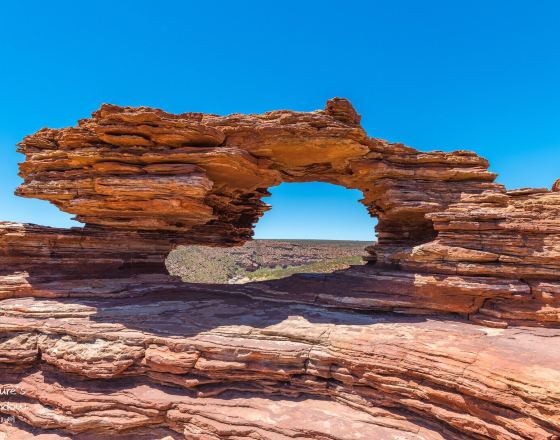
<point>449,237</point>
<point>199,178</point>
<point>96,302</point>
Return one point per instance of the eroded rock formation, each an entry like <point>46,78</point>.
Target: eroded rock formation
<point>450,331</point>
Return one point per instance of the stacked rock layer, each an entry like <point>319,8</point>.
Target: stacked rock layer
<point>451,330</point>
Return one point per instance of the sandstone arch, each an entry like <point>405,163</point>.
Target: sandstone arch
<point>96,302</point>
<point>451,238</point>
<point>200,178</point>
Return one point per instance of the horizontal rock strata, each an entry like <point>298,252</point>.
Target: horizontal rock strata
<point>202,176</point>
<point>450,331</point>
<point>156,366</point>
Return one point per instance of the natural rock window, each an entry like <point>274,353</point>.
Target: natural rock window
<point>92,312</point>
<point>306,230</point>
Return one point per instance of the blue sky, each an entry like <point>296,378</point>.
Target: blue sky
<point>480,75</point>
<point>315,210</point>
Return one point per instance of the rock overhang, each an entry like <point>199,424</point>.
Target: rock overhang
<point>84,304</point>
<point>202,177</point>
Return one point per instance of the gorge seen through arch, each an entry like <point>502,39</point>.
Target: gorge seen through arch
<point>306,230</point>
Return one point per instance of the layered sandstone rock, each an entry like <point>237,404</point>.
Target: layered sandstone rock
<point>50,262</point>
<point>202,176</point>
<point>98,341</point>
<point>243,367</point>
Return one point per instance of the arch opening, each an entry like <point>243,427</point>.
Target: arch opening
<point>311,227</point>
<point>315,211</point>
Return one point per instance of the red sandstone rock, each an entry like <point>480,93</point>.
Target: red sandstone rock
<point>273,360</point>
<point>202,176</point>
<point>102,343</point>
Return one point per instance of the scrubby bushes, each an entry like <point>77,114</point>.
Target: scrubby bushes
<point>262,260</point>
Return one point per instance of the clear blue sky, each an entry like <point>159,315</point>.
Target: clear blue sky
<point>315,210</point>
<point>481,75</point>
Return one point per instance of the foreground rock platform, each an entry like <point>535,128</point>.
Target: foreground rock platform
<point>209,365</point>
<point>450,331</point>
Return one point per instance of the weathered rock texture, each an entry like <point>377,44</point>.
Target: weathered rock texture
<point>97,341</point>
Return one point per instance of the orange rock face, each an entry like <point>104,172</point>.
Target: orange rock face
<point>450,331</point>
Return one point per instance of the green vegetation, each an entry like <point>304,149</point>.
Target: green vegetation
<point>200,264</point>
<point>261,260</point>
<point>326,266</point>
